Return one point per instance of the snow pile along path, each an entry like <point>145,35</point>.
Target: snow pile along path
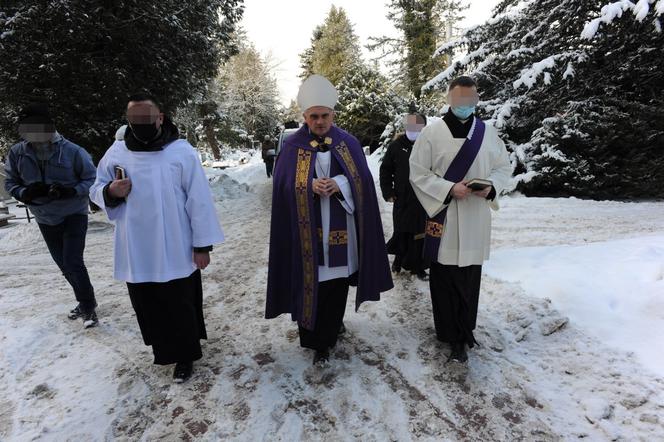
<point>538,375</point>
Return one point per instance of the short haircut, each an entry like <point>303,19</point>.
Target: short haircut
<point>463,81</point>
<point>145,97</point>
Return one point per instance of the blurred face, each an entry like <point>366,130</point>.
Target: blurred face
<point>36,132</point>
<point>144,112</point>
<point>145,119</point>
<point>319,119</point>
<point>414,123</point>
<point>462,96</point>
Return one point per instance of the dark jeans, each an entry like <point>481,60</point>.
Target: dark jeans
<point>269,165</point>
<point>66,242</point>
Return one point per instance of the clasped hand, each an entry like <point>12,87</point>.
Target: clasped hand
<point>325,186</point>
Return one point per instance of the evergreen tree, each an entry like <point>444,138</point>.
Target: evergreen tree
<point>334,48</point>
<point>307,57</point>
<point>250,93</point>
<point>85,58</point>
<point>292,113</point>
<point>575,88</point>
<point>366,104</point>
<point>423,25</point>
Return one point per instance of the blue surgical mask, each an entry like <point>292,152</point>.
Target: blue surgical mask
<point>412,135</point>
<point>463,112</point>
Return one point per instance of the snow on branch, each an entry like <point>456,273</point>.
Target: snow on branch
<point>448,73</point>
<point>450,45</point>
<point>511,12</point>
<point>529,76</point>
<point>613,11</point>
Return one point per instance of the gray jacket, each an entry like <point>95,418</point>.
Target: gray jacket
<point>68,164</point>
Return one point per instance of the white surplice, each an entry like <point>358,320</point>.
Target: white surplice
<point>467,236</point>
<point>168,212</point>
<point>326,273</point>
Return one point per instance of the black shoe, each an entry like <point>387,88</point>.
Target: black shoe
<point>75,313</point>
<point>89,319</point>
<point>321,356</point>
<point>396,268</point>
<point>342,329</point>
<point>459,353</point>
<point>182,371</point>
<point>422,275</point>
<point>78,312</point>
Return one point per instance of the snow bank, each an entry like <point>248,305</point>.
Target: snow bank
<point>613,290</point>
<point>234,182</point>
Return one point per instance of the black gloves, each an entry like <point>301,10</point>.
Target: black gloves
<point>34,190</point>
<point>59,192</point>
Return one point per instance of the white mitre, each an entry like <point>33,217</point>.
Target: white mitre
<point>317,91</point>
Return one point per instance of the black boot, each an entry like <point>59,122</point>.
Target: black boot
<point>321,356</point>
<point>396,267</point>
<point>422,275</point>
<point>458,352</point>
<point>182,371</point>
<point>75,313</point>
<point>342,329</point>
<point>90,319</point>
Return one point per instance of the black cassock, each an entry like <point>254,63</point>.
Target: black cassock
<point>408,214</point>
<point>170,316</point>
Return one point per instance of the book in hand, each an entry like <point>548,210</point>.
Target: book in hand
<point>478,184</point>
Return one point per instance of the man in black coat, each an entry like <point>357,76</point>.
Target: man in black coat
<point>408,215</point>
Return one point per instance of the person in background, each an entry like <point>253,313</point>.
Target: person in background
<point>52,176</point>
<point>407,213</point>
<point>268,153</point>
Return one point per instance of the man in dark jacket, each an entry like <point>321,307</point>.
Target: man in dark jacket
<point>408,215</point>
<point>52,176</point>
<point>267,152</point>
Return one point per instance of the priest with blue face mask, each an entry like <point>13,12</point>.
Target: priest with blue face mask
<point>458,168</point>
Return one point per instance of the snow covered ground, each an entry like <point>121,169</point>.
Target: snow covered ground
<point>570,324</point>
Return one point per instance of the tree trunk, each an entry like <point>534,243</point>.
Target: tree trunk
<point>212,141</point>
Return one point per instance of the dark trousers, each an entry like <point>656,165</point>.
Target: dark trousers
<point>455,295</point>
<point>332,296</point>
<point>170,316</point>
<point>407,251</point>
<point>66,243</point>
<point>269,165</point>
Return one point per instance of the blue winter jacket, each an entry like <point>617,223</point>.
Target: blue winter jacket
<point>69,165</point>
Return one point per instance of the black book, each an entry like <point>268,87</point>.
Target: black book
<point>479,184</point>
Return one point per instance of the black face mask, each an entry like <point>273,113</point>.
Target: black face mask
<point>144,132</point>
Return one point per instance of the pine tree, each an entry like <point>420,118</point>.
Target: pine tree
<point>575,88</point>
<point>334,48</point>
<point>366,104</point>
<point>423,25</point>
<point>250,93</point>
<point>85,58</point>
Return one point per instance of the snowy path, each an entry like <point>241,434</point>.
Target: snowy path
<point>388,379</point>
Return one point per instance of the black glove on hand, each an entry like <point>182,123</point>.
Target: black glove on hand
<point>34,190</point>
<point>59,192</point>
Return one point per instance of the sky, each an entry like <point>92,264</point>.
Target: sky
<point>282,29</point>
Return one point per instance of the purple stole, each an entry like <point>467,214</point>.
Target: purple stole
<point>338,237</point>
<point>458,169</point>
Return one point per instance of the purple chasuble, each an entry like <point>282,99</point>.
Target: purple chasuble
<point>458,169</point>
<point>292,285</point>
